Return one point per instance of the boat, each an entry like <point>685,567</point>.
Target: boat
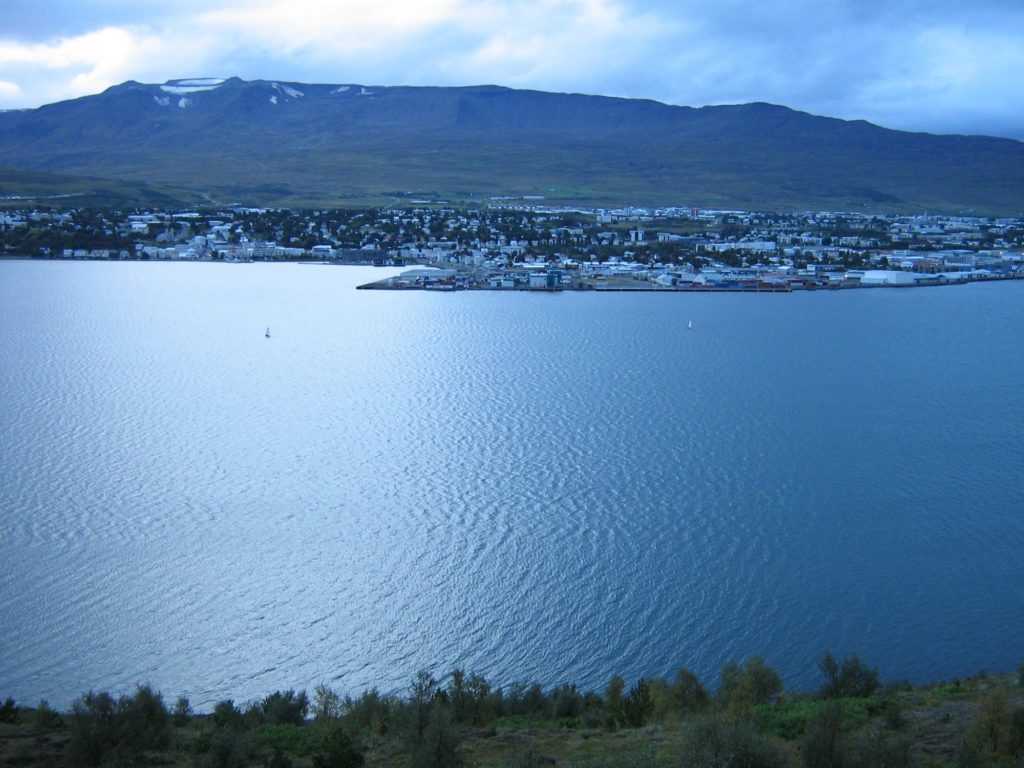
<point>267,334</point>
<point>690,324</point>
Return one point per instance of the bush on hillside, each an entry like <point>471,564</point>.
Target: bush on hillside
<point>725,741</point>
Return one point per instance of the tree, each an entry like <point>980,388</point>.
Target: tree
<point>745,686</point>
<point>104,730</point>
<point>850,677</point>
<point>687,693</point>
<point>424,689</point>
<point>440,744</point>
<point>182,711</point>
<point>285,708</point>
<point>226,714</point>
<point>94,729</point>
<point>566,702</point>
<point>326,703</point>
<point>370,712</point>
<point>637,705</point>
<point>613,701</point>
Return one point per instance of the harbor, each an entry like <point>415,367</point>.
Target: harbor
<point>647,278</point>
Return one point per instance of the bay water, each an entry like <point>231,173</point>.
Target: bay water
<point>542,487</point>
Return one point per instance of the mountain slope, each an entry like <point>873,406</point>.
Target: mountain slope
<point>292,143</point>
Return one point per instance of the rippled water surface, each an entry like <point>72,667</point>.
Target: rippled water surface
<point>544,487</point>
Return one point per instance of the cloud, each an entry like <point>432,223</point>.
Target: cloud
<point>9,90</point>
<point>77,66</point>
<point>345,28</point>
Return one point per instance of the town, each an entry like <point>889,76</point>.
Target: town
<point>521,244</point>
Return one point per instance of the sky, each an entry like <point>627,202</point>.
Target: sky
<point>921,65</point>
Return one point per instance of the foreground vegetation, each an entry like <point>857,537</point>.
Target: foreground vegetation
<point>852,721</point>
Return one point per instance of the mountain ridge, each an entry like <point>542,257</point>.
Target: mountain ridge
<point>290,143</point>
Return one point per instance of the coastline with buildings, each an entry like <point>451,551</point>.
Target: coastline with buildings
<point>522,245</point>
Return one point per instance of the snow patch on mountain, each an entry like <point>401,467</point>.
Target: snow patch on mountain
<point>288,91</point>
<point>179,90</point>
<point>163,101</point>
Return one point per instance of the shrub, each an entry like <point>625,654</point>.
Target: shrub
<point>371,712</point>
<point>279,759</point>
<point>146,720</point>
<point>182,711</point>
<point>637,705</point>
<point>849,678</point>
<point>424,691</point>
<point>614,702</point>
<point>95,729</point>
<point>1015,742</point>
<point>226,714</point>
<point>892,713</point>
<point>661,700</point>
<point>293,739</point>
<point>879,749</point>
<point>105,730</point>
<point>992,721</point>
<point>566,702</point>
<point>534,701</point>
<point>287,708</point>
<point>724,741</point>
<point>45,716</point>
<point>824,745</point>
<point>338,752</point>
<point>227,748</point>
<point>997,731</point>
<point>440,745</point>
<point>8,711</point>
<point>470,699</point>
<point>637,759</point>
<point>787,721</point>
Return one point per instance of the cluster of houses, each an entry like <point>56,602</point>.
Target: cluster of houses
<point>517,244</point>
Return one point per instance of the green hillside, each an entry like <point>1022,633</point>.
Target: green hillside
<point>296,144</point>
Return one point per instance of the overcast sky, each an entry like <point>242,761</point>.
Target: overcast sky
<point>929,65</point>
